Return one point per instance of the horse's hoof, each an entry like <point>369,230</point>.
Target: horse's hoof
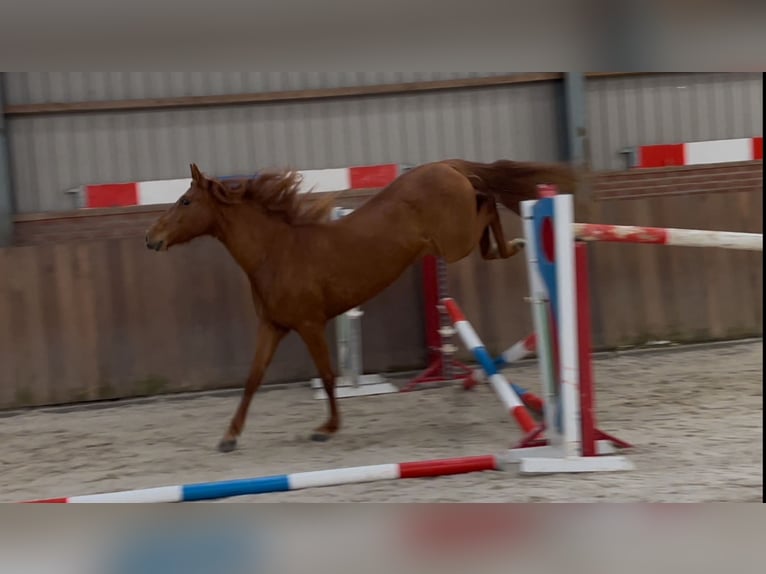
<point>227,445</point>
<point>320,436</point>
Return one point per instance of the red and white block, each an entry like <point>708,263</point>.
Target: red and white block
<point>700,152</point>
<point>166,191</point>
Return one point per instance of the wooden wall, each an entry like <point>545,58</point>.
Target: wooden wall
<point>105,319</point>
<point>100,318</point>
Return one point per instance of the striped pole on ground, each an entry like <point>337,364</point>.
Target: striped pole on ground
<point>287,482</point>
<point>503,389</point>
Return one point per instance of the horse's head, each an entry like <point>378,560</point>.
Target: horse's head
<point>193,215</point>
<point>269,201</point>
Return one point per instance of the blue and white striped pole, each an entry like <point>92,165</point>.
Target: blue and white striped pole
<point>503,389</point>
<point>514,353</point>
<point>293,481</point>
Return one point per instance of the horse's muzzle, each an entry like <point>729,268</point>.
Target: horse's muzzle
<point>155,245</point>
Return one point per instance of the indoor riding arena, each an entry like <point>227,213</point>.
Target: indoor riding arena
<point>467,287</point>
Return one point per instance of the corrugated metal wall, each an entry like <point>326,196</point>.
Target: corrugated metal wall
<point>46,87</point>
<point>51,154</point>
<point>669,108</point>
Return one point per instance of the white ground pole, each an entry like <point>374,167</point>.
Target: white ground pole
<point>351,381</point>
<point>562,454</point>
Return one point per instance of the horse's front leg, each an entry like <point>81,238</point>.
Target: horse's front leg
<point>268,339</point>
<point>313,336</point>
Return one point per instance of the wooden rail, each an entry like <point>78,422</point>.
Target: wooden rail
<point>345,195</point>
<point>287,96</point>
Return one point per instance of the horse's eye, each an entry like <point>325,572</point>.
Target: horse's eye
<point>185,201</point>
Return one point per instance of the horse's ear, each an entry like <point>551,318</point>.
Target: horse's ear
<point>196,173</point>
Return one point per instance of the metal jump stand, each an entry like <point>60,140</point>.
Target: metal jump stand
<point>351,381</point>
<point>443,367</point>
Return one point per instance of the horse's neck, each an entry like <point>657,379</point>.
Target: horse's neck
<point>249,237</point>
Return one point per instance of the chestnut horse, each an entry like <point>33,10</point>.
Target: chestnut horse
<point>305,269</point>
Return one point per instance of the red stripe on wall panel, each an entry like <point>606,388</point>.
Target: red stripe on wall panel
<point>372,176</point>
<point>111,195</point>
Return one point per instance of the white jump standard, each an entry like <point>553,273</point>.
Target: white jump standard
<point>557,269</point>
<point>572,442</point>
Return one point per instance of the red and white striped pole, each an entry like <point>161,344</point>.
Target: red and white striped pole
<point>668,236</point>
<point>518,351</point>
<point>503,389</point>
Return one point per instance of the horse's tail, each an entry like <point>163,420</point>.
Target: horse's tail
<point>512,182</point>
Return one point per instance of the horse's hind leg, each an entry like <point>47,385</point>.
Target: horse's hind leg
<point>313,336</point>
<point>489,220</point>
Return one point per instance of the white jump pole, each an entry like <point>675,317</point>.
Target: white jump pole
<point>351,381</point>
<point>668,236</point>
